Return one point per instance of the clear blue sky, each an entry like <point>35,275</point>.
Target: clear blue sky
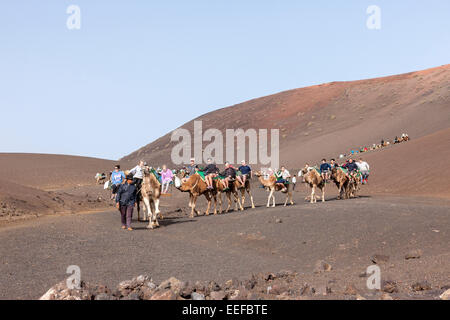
<point>109,88</point>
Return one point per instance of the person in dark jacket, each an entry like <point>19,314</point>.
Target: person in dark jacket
<point>229,173</point>
<point>210,171</point>
<point>352,168</point>
<point>125,201</point>
<point>325,169</point>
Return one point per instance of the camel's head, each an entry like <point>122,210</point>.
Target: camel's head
<point>177,181</point>
<point>304,171</point>
<point>185,185</point>
<point>257,173</point>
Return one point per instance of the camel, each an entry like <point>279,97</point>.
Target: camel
<point>313,178</point>
<point>247,188</point>
<point>220,188</point>
<point>196,187</point>
<point>353,186</point>
<point>342,182</point>
<point>100,178</point>
<point>272,186</point>
<point>150,193</point>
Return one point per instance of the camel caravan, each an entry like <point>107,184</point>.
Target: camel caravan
<point>146,184</point>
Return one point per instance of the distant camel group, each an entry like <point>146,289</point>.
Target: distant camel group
<point>347,185</point>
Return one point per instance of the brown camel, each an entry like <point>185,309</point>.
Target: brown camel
<point>247,188</point>
<point>314,179</point>
<point>353,186</point>
<point>150,193</point>
<point>272,186</point>
<point>233,189</point>
<point>196,187</point>
<point>342,182</point>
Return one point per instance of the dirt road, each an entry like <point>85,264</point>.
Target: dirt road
<point>346,234</point>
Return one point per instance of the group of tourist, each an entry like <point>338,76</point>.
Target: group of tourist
<point>125,188</point>
<point>383,143</point>
<point>211,171</point>
<point>351,169</point>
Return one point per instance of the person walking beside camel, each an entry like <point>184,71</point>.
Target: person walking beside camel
<point>125,202</point>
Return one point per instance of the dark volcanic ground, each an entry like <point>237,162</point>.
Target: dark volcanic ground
<point>346,234</point>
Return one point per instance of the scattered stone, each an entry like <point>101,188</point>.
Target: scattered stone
<point>279,221</point>
<point>103,296</point>
<point>379,258</point>
<point>389,286</point>
<point>445,295</point>
<point>218,295</point>
<point>350,290</point>
<point>306,290</point>
<point>197,296</point>
<point>421,286</point>
<point>164,295</point>
<point>386,296</point>
<point>323,290</point>
<point>270,276</point>
<point>414,254</point>
<point>278,289</point>
<point>213,286</point>
<point>322,266</point>
<point>358,297</point>
<point>235,294</point>
<point>172,283</point>
<point>135,296</point>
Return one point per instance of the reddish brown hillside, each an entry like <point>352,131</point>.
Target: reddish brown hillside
<point>418,167</point>
<point>329,119</point>
<point>48,171</point>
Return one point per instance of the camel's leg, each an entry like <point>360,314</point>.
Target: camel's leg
<point>243,196</point>
<point>147,205</point>
<point>157,206</point>
<point>313,194</point>
<point>290,197</point>
<point>154,215</point>
<point>190,200</point>
<point>251,198</point>
<point>219,199</point>
<point>323,193</point>
<point>138,208</point>
<point>208,207</point>
<point>228,195</point>
<point>236,196</point>
<point>194,199</point>
<point>215,203</point>
<point>273,199</point>
<point>286,200</point>
<point>268,199</point>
